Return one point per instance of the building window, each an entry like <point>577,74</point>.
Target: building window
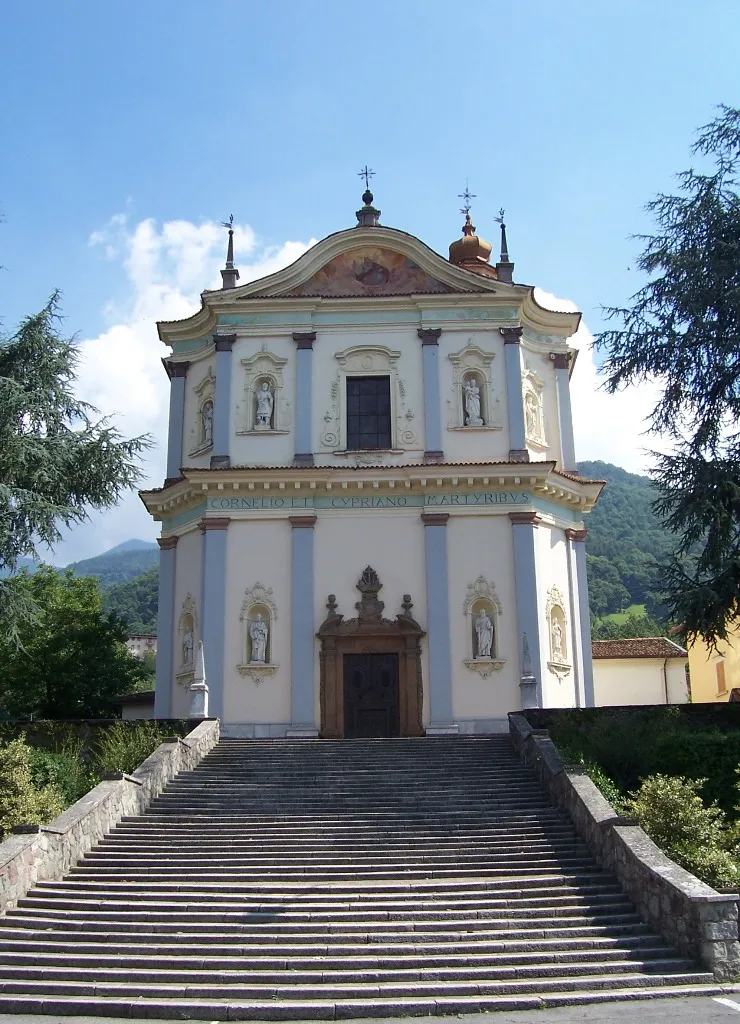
<point>719,667</point>
<point>368,412</point>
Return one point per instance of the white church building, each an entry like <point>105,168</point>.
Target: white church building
<point>372,517</point>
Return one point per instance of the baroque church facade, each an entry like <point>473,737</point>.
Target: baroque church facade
<point>372,518</point>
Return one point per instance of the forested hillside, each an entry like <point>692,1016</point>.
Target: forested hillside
<point>135,601</point>
<point>120,564</point>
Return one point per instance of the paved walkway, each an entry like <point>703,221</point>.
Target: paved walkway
<point>718,1010</point>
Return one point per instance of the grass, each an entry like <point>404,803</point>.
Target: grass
<point>620,617</point>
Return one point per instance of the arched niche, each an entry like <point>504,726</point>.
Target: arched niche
<point>473,364</point>
<point>260,369</point>
<point>557,628</point>
<point>187,637</point>
<point>258,618</point>
<point>201,431</point>
<point>482,610</point>
<point>534,416</point>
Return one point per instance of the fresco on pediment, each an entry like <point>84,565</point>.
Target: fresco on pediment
<point>370,271</point>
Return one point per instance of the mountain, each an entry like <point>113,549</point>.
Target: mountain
<point>132,545</point>
<point>120,564</point>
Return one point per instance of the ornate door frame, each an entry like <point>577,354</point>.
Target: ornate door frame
<point>370,633</point>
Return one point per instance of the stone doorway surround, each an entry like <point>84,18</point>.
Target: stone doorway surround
<point>370,633</point>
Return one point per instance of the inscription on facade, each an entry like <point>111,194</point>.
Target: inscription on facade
<point>362,501</point>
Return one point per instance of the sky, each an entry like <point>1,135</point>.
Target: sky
<point>130,130</point>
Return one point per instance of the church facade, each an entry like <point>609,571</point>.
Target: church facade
<point>372,517</point>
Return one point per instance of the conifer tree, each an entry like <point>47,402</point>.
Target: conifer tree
<point>682,329</point>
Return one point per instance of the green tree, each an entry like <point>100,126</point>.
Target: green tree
<point>71,660</point>
<point>135,601</point>
<point>682,328</point>
<point>57,460</point>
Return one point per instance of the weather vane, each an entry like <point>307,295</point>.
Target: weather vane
<point>367,173</point>
<point>500,218</point>
<point>466,196</point>
<point>228,223</point>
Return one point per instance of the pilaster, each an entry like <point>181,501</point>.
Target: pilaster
<point>165,628</point>
<point>523,527</point>
<point>429,337</point>
<point>221,455</point>
<point>304,396</point>
<point>302,627</point>
<point>561,362</point>
<point>213,608</point>
<point>438,624</point>
<point>577,545</point>
<point>177,372</point>
<point>514,396</point>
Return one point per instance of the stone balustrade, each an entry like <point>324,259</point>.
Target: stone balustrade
<point>696,919</point>
<point>47,852</point>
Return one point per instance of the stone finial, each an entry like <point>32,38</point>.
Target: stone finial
<point>368,216</point>
<point>229,275</point>
<point>199,687</point>
<point>504,267</point>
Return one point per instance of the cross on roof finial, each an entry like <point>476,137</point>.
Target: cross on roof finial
<point>367,173</point>
<point>466,196</point>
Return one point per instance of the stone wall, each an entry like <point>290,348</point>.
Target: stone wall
<point>36,853</point>
<point>690,914</point>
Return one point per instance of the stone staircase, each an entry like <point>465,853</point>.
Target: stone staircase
<point>332,879</point>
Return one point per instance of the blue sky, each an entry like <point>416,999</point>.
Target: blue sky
<point>570,115</point>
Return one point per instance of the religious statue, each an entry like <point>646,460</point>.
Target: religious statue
<point>187,646</point>
<point>472,403</point>
<point>258,632</point>
<point>206,414</point>
<point>533,429</point>
<point>484,634</point>
<point>557,640</point>
<point>265,404</point>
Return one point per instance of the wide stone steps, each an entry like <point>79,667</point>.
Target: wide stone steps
<point>331,880</point>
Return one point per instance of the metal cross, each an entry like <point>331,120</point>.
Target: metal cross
<point>467,195</point>
<point>367,173</point>
<point>228,223</point>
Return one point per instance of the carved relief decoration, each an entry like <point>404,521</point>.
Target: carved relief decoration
<point>201,432</point>
<point>557,628</point>
<point>534,418</point>
<point>472,366</point>
<point>372,361</point>
<point>254,416</point>
<point>370,633</point>
<point>187,632</point>
<point>482,609</point>
<point>258,616</point>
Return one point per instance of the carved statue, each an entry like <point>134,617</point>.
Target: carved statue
<point>557,640</point>
<point>265,404</point>
<point>533,428</point>
<point>187,646</point>
<point>206,414</point>
<point>472,403</point>
<point>258,633</point>
<point>484,634</point>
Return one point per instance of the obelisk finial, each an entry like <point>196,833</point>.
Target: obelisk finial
<point>229,275</point>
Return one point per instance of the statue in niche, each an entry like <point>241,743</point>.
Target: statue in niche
<point>258,632</point>
<point>483,634</point>
<point>533,427</point>
<point>187,646</point>
<point>557,640</point>
<point>206,416</point>
<point>472,403</point>
<point>265,403</point>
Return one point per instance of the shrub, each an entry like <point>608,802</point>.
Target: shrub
<point>675,817</point>
<point>21,802</point>
<point>122,747</point>
<point>66,768</point>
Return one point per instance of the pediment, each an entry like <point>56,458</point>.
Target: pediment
<point>371,270</point>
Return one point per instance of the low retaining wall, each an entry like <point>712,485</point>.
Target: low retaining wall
<point>694,917</point>
<point>48,852</point>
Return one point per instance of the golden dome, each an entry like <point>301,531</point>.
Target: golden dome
<point>470,251</point>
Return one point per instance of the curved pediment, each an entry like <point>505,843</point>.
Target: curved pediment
<point>370,270</point>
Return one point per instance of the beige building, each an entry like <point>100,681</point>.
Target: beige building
<point>650,670</point>
<point>372,518</point>
<point>140,644</point>
<point>714,674</point>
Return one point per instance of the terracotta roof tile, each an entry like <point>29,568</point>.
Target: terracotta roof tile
<point>640,647</point>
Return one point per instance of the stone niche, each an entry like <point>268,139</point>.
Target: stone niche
<point>370,633</point>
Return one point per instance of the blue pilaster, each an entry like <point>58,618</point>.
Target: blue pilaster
<point>221,453</point>
<point>302,626</point>
<point>177,373</point>
<point>514,395</point>
<point>578,540</point>
<point>303,397</point>
<point>432,414</point>
<point>213,608</point>
<point>438,623</point>
<point>523,529</point>
<point>165,628</point>
<point>561,361</point>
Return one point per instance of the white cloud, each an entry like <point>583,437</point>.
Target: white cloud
<point>120,371</point>
<point>607,427</point>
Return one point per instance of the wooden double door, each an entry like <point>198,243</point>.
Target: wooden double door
<point>371,695</point>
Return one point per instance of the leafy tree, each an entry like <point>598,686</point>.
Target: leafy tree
<point>633,626</point>
<point>71,660</point>
<point>135,601</point>
<point>57,460</point>
<point>682,329</point>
